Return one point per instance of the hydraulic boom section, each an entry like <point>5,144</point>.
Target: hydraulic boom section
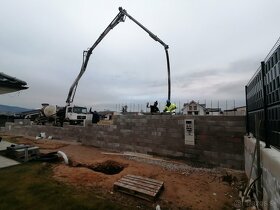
<point>86,54</point>
<point>158,40</point>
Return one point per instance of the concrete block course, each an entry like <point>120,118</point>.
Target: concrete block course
<point>158,134</point>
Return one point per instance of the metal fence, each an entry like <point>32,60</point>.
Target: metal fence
<point>226,106</point>
<point>263,99</point>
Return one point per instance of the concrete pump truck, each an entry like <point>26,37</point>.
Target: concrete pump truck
<point>77,114</point>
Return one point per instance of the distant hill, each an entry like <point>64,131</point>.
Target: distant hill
<point>5,109</point>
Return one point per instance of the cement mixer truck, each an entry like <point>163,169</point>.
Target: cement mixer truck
<point>58,115</point>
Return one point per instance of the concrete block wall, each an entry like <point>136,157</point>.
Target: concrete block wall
<point>270,163</point>
<point>218,139</point>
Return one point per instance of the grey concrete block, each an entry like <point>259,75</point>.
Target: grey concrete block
<point>127,147</point>
<point>144,121</point>
<point>161,129</point>
<point>22,122</point>
<point>125,132</point>
<point>113,145</point>
<point>155,133</point>
<point>211,155</point>
<point>233,157</point>
<point>181,122</point>
<point>179,136</point>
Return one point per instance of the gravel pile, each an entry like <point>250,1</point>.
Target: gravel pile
<point>174,166</point>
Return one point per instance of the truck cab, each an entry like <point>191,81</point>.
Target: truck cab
<point>77,114</point>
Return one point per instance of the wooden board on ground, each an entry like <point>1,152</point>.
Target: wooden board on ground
<point>139,186</point>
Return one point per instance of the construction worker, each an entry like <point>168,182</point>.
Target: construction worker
<point>95,117</point>
<point>170,108</point>
<point>154,108</point>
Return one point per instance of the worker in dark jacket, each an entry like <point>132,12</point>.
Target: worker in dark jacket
<point>95,116</point>
<point>154,108</point>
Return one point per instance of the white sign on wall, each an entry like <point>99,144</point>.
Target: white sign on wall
<point>189,131</point>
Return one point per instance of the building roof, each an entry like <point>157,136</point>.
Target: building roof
<point>193,102</point>
<point>10,84</point>
<point>203,106</point>
<point>235,109</point>
<point>213,110</point>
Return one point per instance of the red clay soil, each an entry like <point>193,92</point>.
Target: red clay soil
<point>197,189</point>
<point>202,189</point>
<point>41,143</point>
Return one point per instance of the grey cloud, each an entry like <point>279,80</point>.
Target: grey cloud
<point>234,89</point>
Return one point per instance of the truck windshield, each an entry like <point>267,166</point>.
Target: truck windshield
<point>80,110</point>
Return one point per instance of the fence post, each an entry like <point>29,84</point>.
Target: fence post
<point>247,111</point>
<point>267,141</point>
<point>258,153</point>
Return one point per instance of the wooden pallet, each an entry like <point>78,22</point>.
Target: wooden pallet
<point>139,186</point>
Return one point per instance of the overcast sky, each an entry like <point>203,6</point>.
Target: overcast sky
<point>215,47</point>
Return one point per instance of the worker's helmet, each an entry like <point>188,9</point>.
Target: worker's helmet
<point>168,102</point>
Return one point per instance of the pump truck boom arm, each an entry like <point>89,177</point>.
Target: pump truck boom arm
<point>86,54</point>
<point>158,40</point>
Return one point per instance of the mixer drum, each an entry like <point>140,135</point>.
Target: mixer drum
<point>49,111</point>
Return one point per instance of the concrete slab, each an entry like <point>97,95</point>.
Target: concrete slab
<point>6,162</point>
<point>4,145</point>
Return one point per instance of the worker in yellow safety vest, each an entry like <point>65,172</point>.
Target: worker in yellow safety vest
<point>169,107</point>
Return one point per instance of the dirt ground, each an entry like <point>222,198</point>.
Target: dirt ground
<point>187,188</point>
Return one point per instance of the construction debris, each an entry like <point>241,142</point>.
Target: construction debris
<point>22,152</point>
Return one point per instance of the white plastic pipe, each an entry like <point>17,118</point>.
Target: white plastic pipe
<point>63,155</point>
<point>158,207</point>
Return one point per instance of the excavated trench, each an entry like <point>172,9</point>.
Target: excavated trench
<point>108,167</point>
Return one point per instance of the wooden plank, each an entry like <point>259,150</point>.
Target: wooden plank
<point>141,184</point>
<point>135,191</point>
<point>144,178</point>
<point>148,185</point>
<point>137,195</point>
<point>131,187</point>
<point>138,186</point>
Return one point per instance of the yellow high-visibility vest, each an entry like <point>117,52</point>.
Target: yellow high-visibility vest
<point>170,108</point>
